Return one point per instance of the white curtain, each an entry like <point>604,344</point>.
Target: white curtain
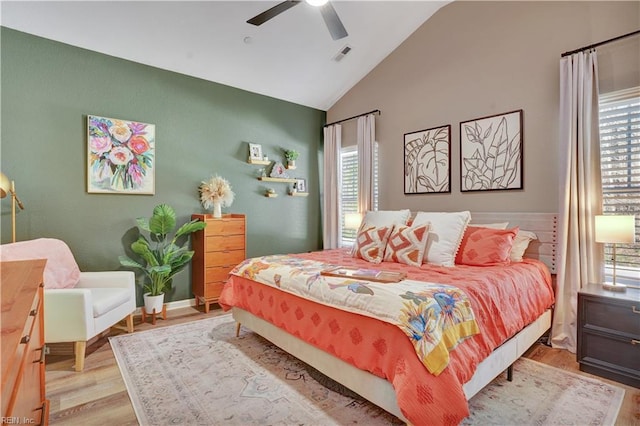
<point>331,228</point>
<point>580,257</point>
<point>366,138</point>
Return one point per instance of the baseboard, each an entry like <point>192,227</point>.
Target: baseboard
<point>186,303</point>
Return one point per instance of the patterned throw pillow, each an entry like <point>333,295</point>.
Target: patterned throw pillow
<point>370,243</point>
<point>486,246</point>
<point>407,244</point>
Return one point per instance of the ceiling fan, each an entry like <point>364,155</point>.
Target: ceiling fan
<point>331,19</point>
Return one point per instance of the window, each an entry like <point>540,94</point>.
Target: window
<point>349,189</point>
<point>620,165</point>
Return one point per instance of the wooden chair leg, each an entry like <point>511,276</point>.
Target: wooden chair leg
<point>79,349</point>
<point>238,329</point>
<point>130,323</point>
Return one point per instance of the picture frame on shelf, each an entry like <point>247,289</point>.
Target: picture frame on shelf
<point>491,152</point>
<point>255,152</point>
<point>300,185</point>
<point>427,161</point>
<point>278,171</point>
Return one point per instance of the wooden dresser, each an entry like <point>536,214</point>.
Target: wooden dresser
<point>609,333</point>
<point>23,386</point>
<point>218,249</point>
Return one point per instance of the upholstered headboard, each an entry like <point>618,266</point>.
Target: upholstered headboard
<point>544,225</point>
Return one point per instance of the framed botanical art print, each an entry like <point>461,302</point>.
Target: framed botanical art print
<point>427,164</point>
<point>491,152</point>
<point>121,156</point>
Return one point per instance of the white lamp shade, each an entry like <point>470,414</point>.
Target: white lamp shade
<point>352,220</point>
<point>615,229</point>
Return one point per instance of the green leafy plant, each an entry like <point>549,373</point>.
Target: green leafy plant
<point>161,256</point>
<point>291,154</point>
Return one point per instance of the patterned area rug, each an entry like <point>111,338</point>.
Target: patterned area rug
<point>200,373</point>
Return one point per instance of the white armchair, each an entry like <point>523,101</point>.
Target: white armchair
<point>77,305</point>
<point>98,301</point>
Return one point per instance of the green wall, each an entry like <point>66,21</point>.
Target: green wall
<point>202,128</point>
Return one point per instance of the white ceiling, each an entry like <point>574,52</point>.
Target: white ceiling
<point>289,57</point>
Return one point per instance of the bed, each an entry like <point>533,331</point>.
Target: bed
<point>388,373</point>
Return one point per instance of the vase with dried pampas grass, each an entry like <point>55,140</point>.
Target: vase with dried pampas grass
<point>216,193</point>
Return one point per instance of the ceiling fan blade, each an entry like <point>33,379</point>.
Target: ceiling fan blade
<point>273,12</point>
<point>334,24</point>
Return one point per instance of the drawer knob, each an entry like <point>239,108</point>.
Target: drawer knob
<point>635,342</point>
<point>634,310</point>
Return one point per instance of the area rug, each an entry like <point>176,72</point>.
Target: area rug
<point>199,373</point>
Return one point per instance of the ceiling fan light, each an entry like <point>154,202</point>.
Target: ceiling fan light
<point>317,2</point>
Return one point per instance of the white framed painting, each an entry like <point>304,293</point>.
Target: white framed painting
<point>120,156</point>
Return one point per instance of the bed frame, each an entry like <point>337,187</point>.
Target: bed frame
<point>379,391</point>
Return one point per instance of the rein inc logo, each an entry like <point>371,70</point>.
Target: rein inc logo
<point>15,420</point>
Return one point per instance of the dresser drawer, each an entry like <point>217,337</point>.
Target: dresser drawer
<point>224,243</point>
<point>213,290</point>
<point>225,226</point>
<point>218,273</point>
<point>612,352</point>
<point>614,316</point>
<point>227,259</point>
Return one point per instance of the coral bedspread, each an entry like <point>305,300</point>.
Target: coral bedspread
<point>504,299</point>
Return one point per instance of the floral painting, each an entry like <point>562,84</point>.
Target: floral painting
<point>427,166</point>
<point>491,152</point>
<point>121,156</point>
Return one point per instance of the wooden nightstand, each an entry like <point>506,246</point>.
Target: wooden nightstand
<point>609,333</point>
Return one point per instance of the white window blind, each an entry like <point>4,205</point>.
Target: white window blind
<point>620,165</point>
<point>349,189</point>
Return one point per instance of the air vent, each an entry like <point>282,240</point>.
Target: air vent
<point>343,52</point>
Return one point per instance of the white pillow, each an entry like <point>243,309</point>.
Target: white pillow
<point>520,244</point>
<point>445,235</point>
<point>497,225</point>
<point>382,218</point>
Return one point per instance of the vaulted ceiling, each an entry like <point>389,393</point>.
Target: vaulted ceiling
<point>290,57</point>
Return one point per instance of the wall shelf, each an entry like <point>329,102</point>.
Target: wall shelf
<point>259,162</point>
<point>270,179</point>
<point>299,194</point>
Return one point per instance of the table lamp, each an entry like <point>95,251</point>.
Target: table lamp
<point>615,230</point>
<point>8,187</point>
<point>352,220</point>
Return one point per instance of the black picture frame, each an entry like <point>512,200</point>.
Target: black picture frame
<point>427,161</point>
<point>492,152</point>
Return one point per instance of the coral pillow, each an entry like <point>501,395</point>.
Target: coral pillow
<point>486,246</point>
<point>407,244</point>
<point>371,242</point>
<point>61,270</point>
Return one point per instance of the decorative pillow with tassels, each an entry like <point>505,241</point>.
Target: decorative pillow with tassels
<point>371,242</point>
<point>407,244</point>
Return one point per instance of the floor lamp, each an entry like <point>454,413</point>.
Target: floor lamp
<point>9,187</point>
<point>615,229</point>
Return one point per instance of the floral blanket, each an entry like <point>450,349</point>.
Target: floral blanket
<point>435,317</point>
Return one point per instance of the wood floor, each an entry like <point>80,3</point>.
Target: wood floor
<point>97,396</point>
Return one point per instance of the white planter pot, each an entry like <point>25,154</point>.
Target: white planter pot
<point>153,302</point>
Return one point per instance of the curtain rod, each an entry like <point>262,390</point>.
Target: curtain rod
<point>600,43</point>
<point>351,118</point>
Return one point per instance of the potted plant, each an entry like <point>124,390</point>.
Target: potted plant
<point>161,256</point>
<point>291,155</point>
